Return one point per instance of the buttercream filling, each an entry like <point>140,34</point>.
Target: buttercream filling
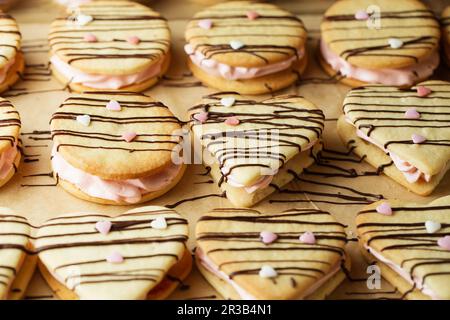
<point>211,267</point>
<point>415,280</point>
<point>7,161</point>
<point>5,69</point>
<point>102,81</point>
<point>129,190</point>
<point>393,77</point>
<point>218,69</point>
<point>411,173</point>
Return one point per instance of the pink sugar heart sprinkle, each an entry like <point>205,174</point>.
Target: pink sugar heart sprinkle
<point>412,113</point>
<point>103,227</point>
<point>89,37</point>
<point>113,105</point>
<point>129,136</point>
<point>114,257</point>
<point>133,40</point>
<point>444,242</point>
<point>418,139</point>
<point>268,237</point>
<point>205,24</point>
<point>423,91</point>
<point>201,116</point>
<point>308,237</point>
<point>361,15</point>
<point>232,121</point>
<point>252,15</point>
<point>385,209</point>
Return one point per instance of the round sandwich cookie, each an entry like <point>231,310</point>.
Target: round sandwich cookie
<point>386,42</point>
<point>140,254</point>
<point>249,255</point>
<point>110,45</point>
<point>445,22</point>
<point>404,133</point>
<point>410,244</point>
<point>246,47</point>
<point>17,263</point>
<point>10,153</point>
<point>12,62</point>
<point>254,148</point>
<point>116,147</point>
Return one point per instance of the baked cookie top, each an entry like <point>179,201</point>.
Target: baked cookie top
<point>14,242</point>
<point>231,238</point>
<point>268,34</point>
<point>115,135</point>
<point>253,138</point>
<point>130,37</point>
<point>445,20</point>
<point>398,119</point>
<point>413,238</point>
<point>367,42</point>
<point>9,125</point>
<point>10,40</point>
<point>100,257</point>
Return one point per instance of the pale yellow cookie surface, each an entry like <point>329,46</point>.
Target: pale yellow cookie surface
<point>10,40</point>
<point>9,125</point>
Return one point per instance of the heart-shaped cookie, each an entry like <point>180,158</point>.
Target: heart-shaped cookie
<point>128,262</point>
<point>406,131</point>
<point>16,265</point>
<point>411,255</point>
<point>234,256</point>
<point>254,143</point>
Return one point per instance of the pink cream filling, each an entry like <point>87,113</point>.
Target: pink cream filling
<point>101,81</point>
<point>392,77</point>
<point>418,281</point>
<point>7,161</point>
<point>130,190</point>
<point>409,171</point>
<point>211,267</point>
<point>217,69</point>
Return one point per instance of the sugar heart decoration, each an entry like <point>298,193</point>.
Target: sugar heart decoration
<point>418,139</point>
<point>423,91</point>
<point>83,19</point>
<point>384,208</point>
<point>412,113</point>
<point>159,223</point>
<point>114,257</point>
<point>232,121</point>
<point>113,105</point>
<point>205,24</point>
<point>268,237</point>
<point>89,37</point>
<point>252,15</point>
<point>103,227</point>
<point>201,116</point>
<point>361,15</point>
<point>85,120</point>
<point>267,272</point>
<point>395,43</point>
<point>444,242</point>
<point>236,44</point>
<point>308,238</point>
<point>189,49</point>
<point>129,136</point>
<point>135,40</point>
<point>432,226</point>
<point>227,101</point>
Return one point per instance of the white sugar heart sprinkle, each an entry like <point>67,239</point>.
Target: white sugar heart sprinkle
<point>83,19</point>
<point>444,242</point>
<point>227,101</point>
<point>268,237</point>
<point>385,209</point>
<point>113,105</point>
<point>236,44</point>
<point>205,24</point>
<point>432,226</point>
<point>85,120</point>
<point>395,43</point>
<point>114,257</point>
<point>159,223</point>
<point>103,227</point>
<point>418,139</point>
<point>267,272</point>
<point>361,15</point>
<point>308,237</point>
<point>412,113</point>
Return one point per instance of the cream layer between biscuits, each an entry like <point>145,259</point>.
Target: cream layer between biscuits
<point>7,161</point>
<point>411,173</point>
<point>392,77</point>
<point>5,69</point>
<point>415,280</point>
<point>211,267</point>
<point>130,190</point>
<point>102,81</point>
<point>217,69</point>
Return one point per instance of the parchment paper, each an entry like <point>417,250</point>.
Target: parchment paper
<point>32,192</point>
